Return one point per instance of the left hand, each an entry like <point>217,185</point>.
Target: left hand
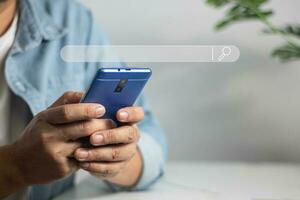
<point>112,148</point>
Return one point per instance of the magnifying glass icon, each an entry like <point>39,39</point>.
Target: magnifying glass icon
<point>226,51</point>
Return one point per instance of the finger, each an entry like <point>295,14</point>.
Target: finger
<point>77,130</point>
<point>73,112</point>
<point>109,154</point>
<point>69,148</point>
<point>68,98</point>
<point>103,169</point>
<point>130,114</point>
<point>123,134</point>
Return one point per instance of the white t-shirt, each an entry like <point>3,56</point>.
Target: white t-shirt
<point>6,41</point>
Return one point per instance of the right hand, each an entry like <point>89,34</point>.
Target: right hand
<point>44,151</point>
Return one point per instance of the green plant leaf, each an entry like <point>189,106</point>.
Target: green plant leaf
<point>287,52</point>
<point>241,10</point>
<point>239,13</point>
<point>255,3</point>
<point>220,3</point>
<point>217,3</point>
<point>290,29</point>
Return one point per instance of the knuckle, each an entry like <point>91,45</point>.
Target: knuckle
<point>87,111</point>
<point>115,153</point>
<point>110,137</point>
<point>66,112</point>
<point>132,134</point>
<point>67,94</point>
<point>38,125</point>
<point>64,135</point>
<point>45,140</point>
<point>93,155</point>
<point>106,171</point>
<point>81,126</point>
<point>87,127</point>
<point>41,115</point>
<point>41,118</point>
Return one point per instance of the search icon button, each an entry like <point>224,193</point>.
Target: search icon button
<point>226,51</point>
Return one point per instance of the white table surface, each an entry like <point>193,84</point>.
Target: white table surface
<point>205,181</point>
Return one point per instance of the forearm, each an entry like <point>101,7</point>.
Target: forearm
<point>10,181</point>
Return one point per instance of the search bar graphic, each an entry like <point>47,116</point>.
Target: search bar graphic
<point>150,53</point>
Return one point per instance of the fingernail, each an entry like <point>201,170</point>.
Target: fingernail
<point>84,165</point>
<point>123,116</point>
<point>82,154</point>
<point>99,111</point>
<point>97,139</point>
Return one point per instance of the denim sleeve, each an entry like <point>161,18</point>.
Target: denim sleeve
<point>152,144</point>
<point>153,147</point>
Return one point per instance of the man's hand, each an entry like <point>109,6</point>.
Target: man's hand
<point>43,153</point>
<point>114,155</point>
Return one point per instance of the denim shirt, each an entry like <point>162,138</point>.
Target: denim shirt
<point>35,72</point>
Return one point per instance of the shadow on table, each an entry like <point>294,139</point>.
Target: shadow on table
<point>92,188</point>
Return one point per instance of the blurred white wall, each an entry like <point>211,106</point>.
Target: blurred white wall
<point>249,110</point>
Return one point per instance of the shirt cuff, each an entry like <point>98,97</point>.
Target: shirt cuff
<point>153,165</point>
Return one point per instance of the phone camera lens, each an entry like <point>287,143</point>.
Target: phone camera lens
<point>123,81</point>
<point>121,85</point>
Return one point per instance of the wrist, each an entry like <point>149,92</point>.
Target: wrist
<point>10,175</point>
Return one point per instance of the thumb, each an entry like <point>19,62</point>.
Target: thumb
<point>68,98</point>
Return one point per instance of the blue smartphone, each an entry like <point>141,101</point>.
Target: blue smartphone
<point>116,88</point>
